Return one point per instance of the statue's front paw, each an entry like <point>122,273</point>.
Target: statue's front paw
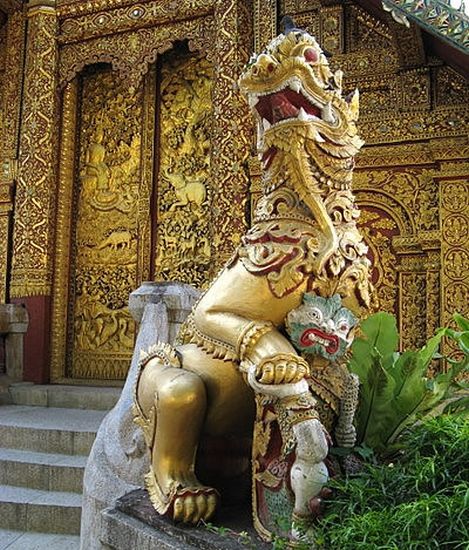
<point>181,497</point>
<point>282,369</point>
<point>194,505</point>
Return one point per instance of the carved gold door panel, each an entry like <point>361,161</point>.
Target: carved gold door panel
<point>104,267</point>
<point>134,205</point>
<point>183,229</point>
<point>105,180</point>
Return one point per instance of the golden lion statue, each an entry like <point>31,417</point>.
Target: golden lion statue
<point>304,240</point>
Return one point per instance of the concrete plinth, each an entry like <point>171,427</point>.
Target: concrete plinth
<point>119,458</point>
<point>133,523</point>
<point>13,326</point>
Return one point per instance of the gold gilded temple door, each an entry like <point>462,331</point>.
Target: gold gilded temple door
<point>183,232</point>
<point>133,205</point>
<point>102,225</point>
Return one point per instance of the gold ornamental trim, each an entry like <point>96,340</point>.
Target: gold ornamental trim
<point>249,337</point>
<point>41,7</point>
<point>63,231</point>
<point>216,348</point>
<point>11,99</point>
<point>31,271</point>
<point>111,19</point>
<point>132,53</point>
<point>28,290</point>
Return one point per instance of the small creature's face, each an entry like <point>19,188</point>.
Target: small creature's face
<point>321,326</point>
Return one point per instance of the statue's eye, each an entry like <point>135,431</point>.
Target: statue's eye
<point>311,55</point>
<point>343,326</point>
<point>315,315</point>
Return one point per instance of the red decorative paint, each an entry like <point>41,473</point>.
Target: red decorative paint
<point>311,55</point>
<point>284,104</point>
<point>37,339</point>
<point>333,340</point>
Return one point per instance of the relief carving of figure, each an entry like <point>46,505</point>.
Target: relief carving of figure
<point>183,249</point>
<point>256,351</point>
<point>109,187</point>
<point>96,173</point>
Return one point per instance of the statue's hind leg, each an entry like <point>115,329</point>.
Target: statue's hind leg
<point>172,404</point>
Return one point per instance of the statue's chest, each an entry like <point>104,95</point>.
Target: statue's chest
<point>282,243</point>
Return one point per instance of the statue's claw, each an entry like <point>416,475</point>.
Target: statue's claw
<point>282,370</point>
<point>268,374</point>
<point>201,505</point>
<point>178,509</point>
<point>212,502</point>
<point>192,505</point>
<point>189,509</point>
<point>279,373</point>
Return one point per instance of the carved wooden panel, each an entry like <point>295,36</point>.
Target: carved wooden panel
<point>184,188</point>
<point>454,208</point>
<point>135,178</point>
<point>104,253</point>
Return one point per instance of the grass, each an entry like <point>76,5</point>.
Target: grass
<point>419,501</point>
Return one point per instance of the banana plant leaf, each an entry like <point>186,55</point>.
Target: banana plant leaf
<point>395,390</point>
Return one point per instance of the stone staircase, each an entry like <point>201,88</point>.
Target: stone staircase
<point>46,434</point>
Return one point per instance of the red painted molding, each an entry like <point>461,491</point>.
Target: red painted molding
<point>37,338</point>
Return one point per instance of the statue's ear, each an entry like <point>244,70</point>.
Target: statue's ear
<point>308,297</point>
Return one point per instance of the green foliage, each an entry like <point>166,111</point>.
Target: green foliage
<point>420,502</point>
<point>395,390</point>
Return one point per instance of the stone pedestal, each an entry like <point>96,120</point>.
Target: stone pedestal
<point>13,325</point>
<point>133,523</point>
<point>119,458</point>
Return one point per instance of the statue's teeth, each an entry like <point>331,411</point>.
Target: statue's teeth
<point>302,115</point>
<point>338,76</point>
<point>253,101</point>
<point>327,114</point>
<point>295,85</point>
<point>266,124</point>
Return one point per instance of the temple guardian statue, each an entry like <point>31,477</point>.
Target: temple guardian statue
<point>263,348</point>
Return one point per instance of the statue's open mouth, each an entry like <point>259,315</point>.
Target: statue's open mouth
<point>274,108</point>
<point>313,336</point>
<point>291,102</point>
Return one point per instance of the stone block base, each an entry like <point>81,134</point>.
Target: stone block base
<point>133,523</point>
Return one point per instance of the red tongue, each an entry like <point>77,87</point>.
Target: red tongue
<point>282,108</point>
<point>268,157</point>
<point>333,345</point>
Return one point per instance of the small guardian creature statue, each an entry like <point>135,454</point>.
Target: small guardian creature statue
<point>261,352</point>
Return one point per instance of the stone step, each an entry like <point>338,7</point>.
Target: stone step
<point>49,472</point>
<point>48,429</point>
<point>97,398</point>
<point>40,511</point>
<point>19,540</point>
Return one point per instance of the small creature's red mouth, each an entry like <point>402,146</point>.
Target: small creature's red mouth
<point>313,336</point>
<point>283,105</point>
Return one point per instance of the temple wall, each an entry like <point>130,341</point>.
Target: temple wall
<point>127,154</point>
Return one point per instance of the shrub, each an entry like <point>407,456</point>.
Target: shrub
<point>419,502</point>
<point>394,388</point>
